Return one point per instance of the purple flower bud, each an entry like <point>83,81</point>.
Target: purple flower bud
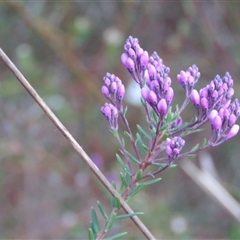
<point>120,92</point>
<point>105,91</point>
<point>233,131</point>
<point>139,52</point>
<point>162,107</point>
<point>165,87</point>
<point>204,92</point>
<point>227,103</point>
<point>169,95</point>
<point>152,97</point>
<point>154,85</point>
<point>130,65</point>
<point>151,71</point>
<point>217,123</point>
<point>225,87</point>
<point>168,81</point>
<point>106,110</point>
<point>221,113</point>
<point>145,92</point>
<point>183,77</point>
<point>169,151</point>
<point>132,53</point>
<point>204,103</point>
<point>177,122</point>
<point>144,59</point>
<point>195,98</point>
<point>212,115</point>
<point>215,95</point>
<point>124,58</point>
<point>232,120</point>
<point>190,80</point>
<point>230,93</point>
<point>226,113</point>
<point>176,151</point>
<point>113,87</point>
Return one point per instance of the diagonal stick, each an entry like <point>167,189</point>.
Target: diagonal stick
<point>73,142</point>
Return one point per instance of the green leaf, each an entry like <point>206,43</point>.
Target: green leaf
<point>117,203</point>
<point>139,139</point>
<point>145,148</point>
<point>90,234</point>
<point>129,215</point>
<point>146,135</point>
<point>136,189</point>
<point>195,147</point>
<point>154,116</point>
<point>100,206</point>
<point>124,182</point>
<point>169,115</point>
<point>164,137</point>
<point>114,132</point>
<point>143,102</point>
<point>191,155</point>
<point>95,220</point>
<point>164,164</point>
<point>116,236</point>
<point>122,164</point>
<point>204,142</point>
<point>92,227</point>
<point>125,111</point>
<point>151,181</point>
<point>127,134</point>
<point>110,221</point>
<point>132,157</point>
<point>139,174</point>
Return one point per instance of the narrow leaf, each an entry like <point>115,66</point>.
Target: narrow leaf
<point>164,164</point>
<point>195,147</point>
<point>204,142</point>
<point>191,155</point>
<point>122,164</point>
<point>117,203</point>
<point>129,215</point>
<point>143,102</point>
<point>124,182</point>
<point>145,148</point>
<point>110,221</point>
<point>151,181</point>
<point>95,220</point>
<point>116,236</point>
<point>90,234</point>
<point>139,174</point>
<point>114,132</point>
<point>146,135</point>
<point>132,157</point>
<point>136,189</point>
<point>127,134</point>
<point>100,206</point>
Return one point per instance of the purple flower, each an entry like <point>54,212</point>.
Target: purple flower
<point>173,147</point>
<point>233,131</point>
<point>195,98</point>
<point>162,107</point>
<point>111,114</point>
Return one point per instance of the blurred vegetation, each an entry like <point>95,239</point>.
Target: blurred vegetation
<point>64,49</point>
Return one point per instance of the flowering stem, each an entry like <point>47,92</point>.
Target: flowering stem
<point>74,143</point>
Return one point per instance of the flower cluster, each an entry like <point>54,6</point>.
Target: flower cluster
<point>173,147</point>
<point>213,102</point>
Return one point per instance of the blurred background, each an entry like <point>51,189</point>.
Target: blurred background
<point>64,49</point>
